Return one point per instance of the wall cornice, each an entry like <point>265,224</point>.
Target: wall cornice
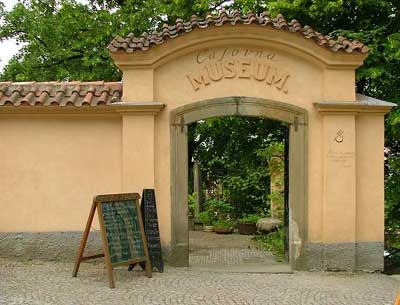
<point>116,109</point>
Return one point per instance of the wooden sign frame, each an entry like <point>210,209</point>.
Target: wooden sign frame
<point>98,201</point>
<point>397,301</point>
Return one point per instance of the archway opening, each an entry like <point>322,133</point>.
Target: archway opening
<point>293,117</point>
<point>238,194</point>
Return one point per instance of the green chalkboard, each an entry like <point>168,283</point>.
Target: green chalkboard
<point>122,228</point>
<point>124,237</point>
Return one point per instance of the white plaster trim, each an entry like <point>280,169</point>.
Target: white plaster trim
<point>113,109</point>
<point>138,108</point>
<point>362,103</point>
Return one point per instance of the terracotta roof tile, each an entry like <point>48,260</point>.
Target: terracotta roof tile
<point>131,43</point>
<point>60,93</point>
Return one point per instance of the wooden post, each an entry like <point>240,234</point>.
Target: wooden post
<point>197,188</point>
<point>145,248</point>
<point>85,236</point>
<point>397,302</point>
<point>107,258</point>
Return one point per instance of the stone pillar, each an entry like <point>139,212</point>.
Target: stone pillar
<point>197,188</point>
<point>277,172</point>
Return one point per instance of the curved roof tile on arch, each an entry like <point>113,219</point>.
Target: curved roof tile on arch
<point>131,43</point>
<point>60,93</point>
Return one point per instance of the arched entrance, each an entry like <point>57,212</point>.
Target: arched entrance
<point>234,64</point>
<point>252,65</point>
<point>295,116</point>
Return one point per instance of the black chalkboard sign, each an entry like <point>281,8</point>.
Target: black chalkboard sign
<point>150,220</point>
<point>124,239</point>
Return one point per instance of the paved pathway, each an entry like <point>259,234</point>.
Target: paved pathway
<point>48,283</point>
<point>230,253</point>
<point>199,240</point>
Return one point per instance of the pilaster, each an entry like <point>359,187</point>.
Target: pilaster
<point>339,190</point>
<point>138,144</point>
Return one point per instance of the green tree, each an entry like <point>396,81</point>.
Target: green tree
<point>233,156</point>
<point>67,40</point>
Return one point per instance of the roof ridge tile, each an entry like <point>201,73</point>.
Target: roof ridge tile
<point>131,43</point>
<point>60,93</point>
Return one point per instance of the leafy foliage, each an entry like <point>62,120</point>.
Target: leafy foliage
<point>250,219</point>
<point>215,210</point>
<point>229,149</point>
<point>223,224</point>
<point>206,218</point>
<point>273,242</point>
<point>191,204</point>
<point>392,197</point>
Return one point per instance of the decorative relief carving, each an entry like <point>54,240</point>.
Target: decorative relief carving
<point>241,63</point>
<point>339,136</point>
<point>339,155</point>
<point>232,53</point>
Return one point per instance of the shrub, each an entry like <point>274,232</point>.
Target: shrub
<point>218,209</point>
<point>191,204</point>
<point>205,218</point>
<point>223,224</point>
<point>249,219</point>
<point>273,242</point>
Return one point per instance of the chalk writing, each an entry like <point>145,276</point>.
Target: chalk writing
<point>150,219</point>
<point>122,231</point>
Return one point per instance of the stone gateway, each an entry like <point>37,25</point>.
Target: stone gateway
<point>63,142</point>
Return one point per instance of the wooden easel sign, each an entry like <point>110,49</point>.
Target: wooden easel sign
<point>122,232</point>
<point>397,302</point>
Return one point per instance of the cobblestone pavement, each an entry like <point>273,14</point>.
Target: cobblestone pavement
<point>230,256</point>
<point>46,283</point>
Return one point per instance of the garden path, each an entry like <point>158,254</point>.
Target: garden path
<point>230,253</point>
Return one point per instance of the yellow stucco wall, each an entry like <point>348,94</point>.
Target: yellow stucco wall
<point>370,178</point>
<point>52,165</point>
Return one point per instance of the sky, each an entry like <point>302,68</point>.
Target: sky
<point>9,47</point>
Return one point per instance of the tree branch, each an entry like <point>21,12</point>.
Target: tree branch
<point>58,62</point>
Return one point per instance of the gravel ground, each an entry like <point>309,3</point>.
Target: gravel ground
<point>48,283</point>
